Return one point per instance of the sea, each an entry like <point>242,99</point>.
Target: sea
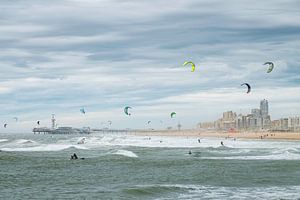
<point>123,166</point>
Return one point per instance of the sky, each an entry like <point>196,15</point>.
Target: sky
<point>59,56</point>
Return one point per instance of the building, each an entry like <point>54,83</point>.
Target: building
<point>284,124</point>
<point>258,120</point>
<point>207,125</point>
<point>264,108</point>
<point>229,116</point>
<point>227,122</point>
<point>275,125</point>
<point>241,122</point>
<point>256,113</point>
<point>294,123</point>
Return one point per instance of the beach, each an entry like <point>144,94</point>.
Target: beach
<point>243,135</point>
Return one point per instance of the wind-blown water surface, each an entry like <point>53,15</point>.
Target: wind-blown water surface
<point>137,167</point>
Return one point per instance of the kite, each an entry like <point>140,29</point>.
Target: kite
<point>191,63</point>
<point>172,114</point>
<point>82,110</point>
<point>126,110</point>
<point>248,86</point>
<point>271,66</point>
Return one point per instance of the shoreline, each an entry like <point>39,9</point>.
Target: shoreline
<point>237,135</point>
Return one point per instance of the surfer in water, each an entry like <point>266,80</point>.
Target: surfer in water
<point>222,143</point>
<point>74,157</point>
<point>82,141</point>
<point>199,141</point>
<point>190,152</point>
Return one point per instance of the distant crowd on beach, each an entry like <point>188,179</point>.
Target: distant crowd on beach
<point>237,135</point>
<point>267,135</point>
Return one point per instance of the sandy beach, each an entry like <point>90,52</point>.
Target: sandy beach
<point>245,135</point>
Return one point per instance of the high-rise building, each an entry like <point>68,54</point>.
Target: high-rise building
<point>284,123</point>
<point>264,108</point>
<point>256,113</point>
<point>229,116</point>
<point>294,123</point>
<point>259,119</point>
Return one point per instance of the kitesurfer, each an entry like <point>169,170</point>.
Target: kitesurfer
<point>74,157</point>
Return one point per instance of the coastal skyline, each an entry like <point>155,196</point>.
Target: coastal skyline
<point>104,55</point>
<point>256,120</point>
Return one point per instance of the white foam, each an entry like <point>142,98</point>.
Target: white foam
<point>24,141</point>
<point>3,140</point>
<point>283,156</point>
<point>213,192</point>
<point>184,142</point>
<point>292,150</point>
<point>45,147</point>
<point>125,153</point>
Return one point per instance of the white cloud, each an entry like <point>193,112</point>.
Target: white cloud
<point>71,40</point>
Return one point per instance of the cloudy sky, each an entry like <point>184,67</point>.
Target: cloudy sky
<point>60,55</point>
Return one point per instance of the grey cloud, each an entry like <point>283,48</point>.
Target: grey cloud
<point>104,54</point>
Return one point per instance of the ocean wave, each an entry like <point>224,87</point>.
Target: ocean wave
<point>97,141</point>
<point>48,147</point>
<point>286,155</point>
<point>3,140</point>
<point>179,191</point>
<point>125,153</point>
<point>24,141</point>
<point>283,150</point>
<point>151,190</point>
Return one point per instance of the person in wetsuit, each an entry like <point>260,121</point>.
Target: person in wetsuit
<point>74,156</point>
